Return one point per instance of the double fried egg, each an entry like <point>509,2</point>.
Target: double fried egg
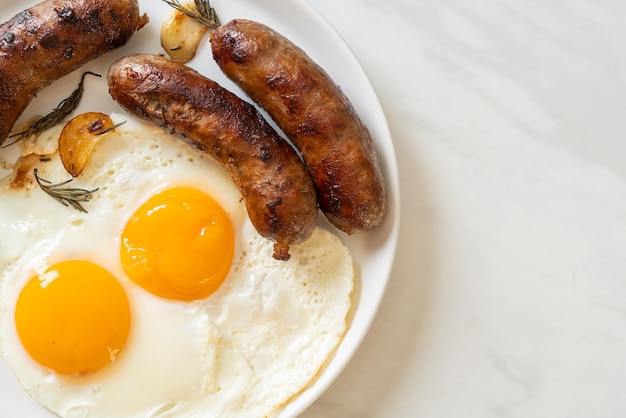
<point>162,300</point>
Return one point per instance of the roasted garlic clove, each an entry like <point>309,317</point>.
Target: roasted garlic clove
<point>78,138</point>
<point>181,35</point>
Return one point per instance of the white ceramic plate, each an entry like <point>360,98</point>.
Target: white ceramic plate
<point>373,252</point>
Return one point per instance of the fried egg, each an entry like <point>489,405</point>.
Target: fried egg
<point>162,300</point>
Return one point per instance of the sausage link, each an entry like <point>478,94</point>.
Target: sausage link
<point>314,114</point>
<point>53,38</point>
<point>275,185</point>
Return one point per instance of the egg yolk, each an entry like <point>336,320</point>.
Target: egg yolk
<point>178,245</point>
<point>74,318</point>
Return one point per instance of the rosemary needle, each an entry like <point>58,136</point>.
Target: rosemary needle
<point>67,196</point>
<point>57,115</point>
<point>202,12</point>
<point>111,128</point>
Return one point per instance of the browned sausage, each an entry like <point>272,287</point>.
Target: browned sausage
<point>276,187</point>
<point>53,38</point>
<point>314,113</point>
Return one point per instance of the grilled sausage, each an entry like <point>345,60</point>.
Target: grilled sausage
<point>275,185</point>
<point>53,38</point>
<point>314,114</point>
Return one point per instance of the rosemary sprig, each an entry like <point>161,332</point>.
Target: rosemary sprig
<point>202,12</point>
<point>67,196</point>
<point>57,115</point>
<point>110,128</point>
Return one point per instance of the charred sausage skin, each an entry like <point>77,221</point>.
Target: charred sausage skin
<point>275,185</point>
<point>314,114</point>
<point>53,38</point>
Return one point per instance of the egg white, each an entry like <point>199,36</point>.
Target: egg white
<point>244,351</point>
<point>276,323</point>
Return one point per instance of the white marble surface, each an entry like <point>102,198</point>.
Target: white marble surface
<point>508,295</point>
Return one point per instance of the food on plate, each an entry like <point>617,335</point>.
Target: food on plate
<point>314,114</point>
<point>181,35</point>
<point>307,105</point>
<point>185,26</point>
<point>67,196</point>
<point>56,116</point>
<point>244,350</point>
<point>173,225</point>
<point>78,138</point>
<point>275,185</point>
<point>53,38</point>
<point>71,325</point>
